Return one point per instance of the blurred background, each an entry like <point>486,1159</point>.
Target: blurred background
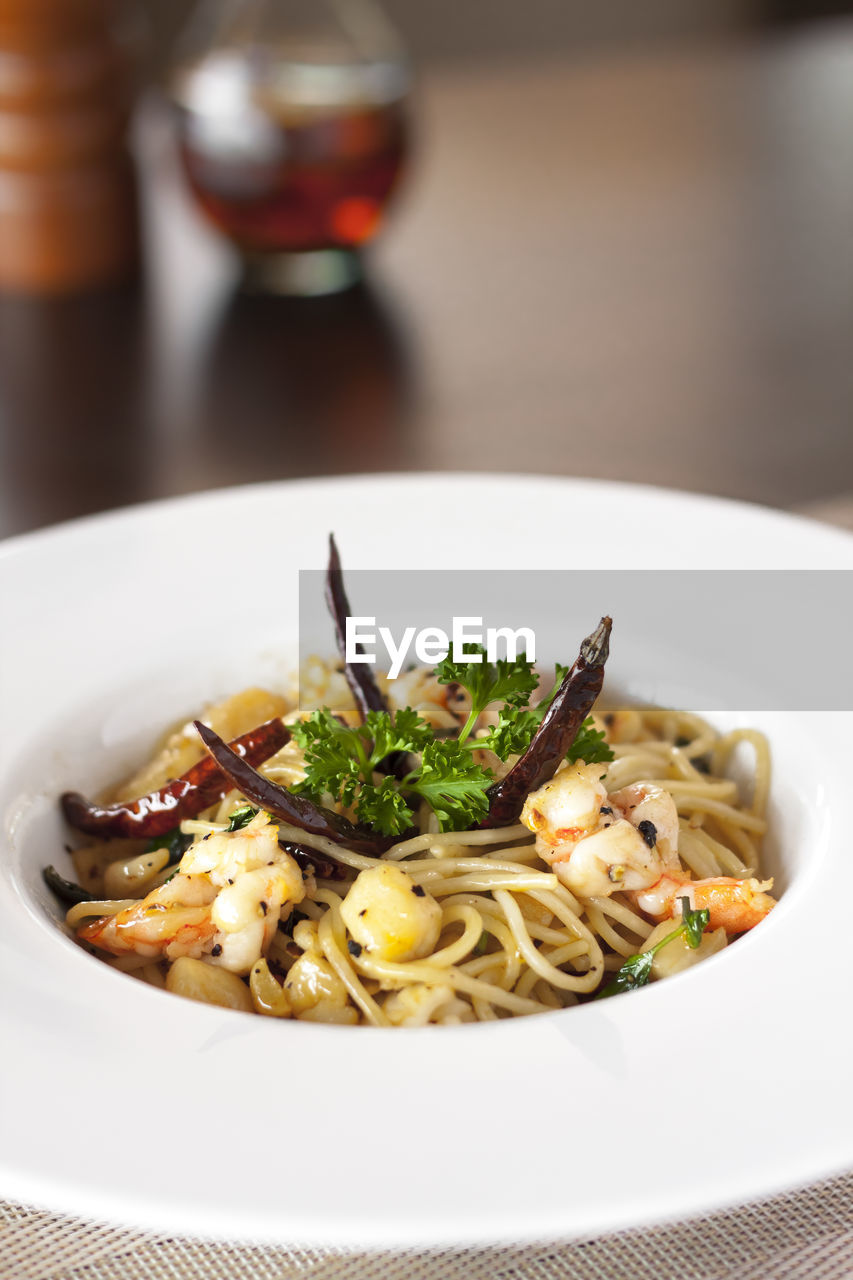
<point>603,240</point>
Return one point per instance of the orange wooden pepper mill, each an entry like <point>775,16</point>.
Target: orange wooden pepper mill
<point>68,217</point>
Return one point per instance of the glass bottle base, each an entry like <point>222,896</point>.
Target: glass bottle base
<point>302,275</point>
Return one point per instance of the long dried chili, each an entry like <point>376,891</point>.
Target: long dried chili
<point>569,708</point>
<point>359,677</point>
<point>186,797</point>
<point>297,811</point>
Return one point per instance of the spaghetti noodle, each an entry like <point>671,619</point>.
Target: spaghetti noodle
<point>441,927</point>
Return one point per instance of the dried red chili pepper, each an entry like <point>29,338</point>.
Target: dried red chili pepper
<point>298,811</point>
<point>359,677</point>
<point>368,696</point>
<point>310,859</point>
<point>186,797</point>
<point>569,708</point>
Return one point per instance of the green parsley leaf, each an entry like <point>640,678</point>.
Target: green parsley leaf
<point>589,745</point>
<point>175,841</point>
<point>695,922</point>
<point>335,757</point>
<point>241,817</point>
<point>635,972</point>
<point>517,724</point>
<point>450,781</point>
<point>637,969</point>
<point>488,682</point>
<point>384,807</point>
<point>341,761</point>
<point>406,732</point>
<point>512,733</point>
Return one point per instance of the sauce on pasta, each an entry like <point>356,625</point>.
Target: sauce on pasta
<point>609,860</point>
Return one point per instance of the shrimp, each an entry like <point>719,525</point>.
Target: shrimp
<point>223,903</point>
<point>733,905</point>
<point>597,843</point>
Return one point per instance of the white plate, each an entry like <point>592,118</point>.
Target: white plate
<point>122,1102</point>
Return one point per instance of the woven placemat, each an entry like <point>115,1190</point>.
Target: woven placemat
<point>803,1235</point>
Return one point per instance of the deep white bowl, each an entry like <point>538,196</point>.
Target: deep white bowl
<point>119,1101</point>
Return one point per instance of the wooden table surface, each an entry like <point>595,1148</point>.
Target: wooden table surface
<point>639,268</point>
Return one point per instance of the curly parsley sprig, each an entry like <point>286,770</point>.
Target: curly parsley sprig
<point>503,681</point>
<point>342,761</point>
<point>513,682</point>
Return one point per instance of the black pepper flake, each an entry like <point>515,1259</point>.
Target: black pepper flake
<point>354,948</point>
<point>207,837</point>
<point>419,891</point>
<point>648,831</point>
<point>216,949</point>
<point>230,881</point>
<point>605,808</point>
<point>363,912</point>
<point>264,906</point>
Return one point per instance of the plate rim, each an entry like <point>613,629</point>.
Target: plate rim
<point>611,1219</point>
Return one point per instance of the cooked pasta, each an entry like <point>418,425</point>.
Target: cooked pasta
<point>610,860</point>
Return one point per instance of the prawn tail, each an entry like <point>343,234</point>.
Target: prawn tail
<point>733,905</point>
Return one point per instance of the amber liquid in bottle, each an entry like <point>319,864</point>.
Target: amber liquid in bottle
<point>305,160</point>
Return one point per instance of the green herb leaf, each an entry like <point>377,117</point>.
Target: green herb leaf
<point>517,724</point>
<point>384,807</point>
<point>407,731</point>
<point>341,761</point>
<point>488,682</point>
<point>334,756</point>
<point>695,922</point>
<point>241,817</point>
<point>589,745</point>
<point>511,735</point>
<point>452,784</point>
<point>635,972</point>
<point>637,969</point>
<point>175,841</point>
